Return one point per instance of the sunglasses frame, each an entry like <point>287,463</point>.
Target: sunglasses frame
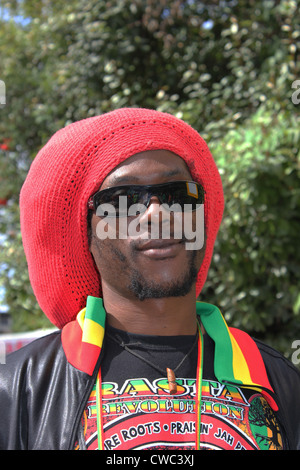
<point>93,204</point>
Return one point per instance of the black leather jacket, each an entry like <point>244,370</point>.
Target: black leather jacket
<point>42,396</point>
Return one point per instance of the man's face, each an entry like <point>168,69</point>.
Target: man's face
<point>146,268</point>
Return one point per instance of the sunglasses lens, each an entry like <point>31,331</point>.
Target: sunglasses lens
<point>183,196</point>
<point>120,199</point>
<point>108,200</point>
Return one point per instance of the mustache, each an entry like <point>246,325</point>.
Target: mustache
<point>160,241</point>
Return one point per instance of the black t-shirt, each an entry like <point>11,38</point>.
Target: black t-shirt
<point>140,413</point>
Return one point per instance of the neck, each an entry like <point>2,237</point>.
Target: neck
<point>169,316</point>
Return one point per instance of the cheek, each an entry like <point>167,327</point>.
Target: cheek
<point>107,254</point>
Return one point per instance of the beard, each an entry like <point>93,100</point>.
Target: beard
<point>146,289</point>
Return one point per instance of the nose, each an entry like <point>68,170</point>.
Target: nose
<point>153,201</point>
<point>156,209</point>
<point>156,220</point>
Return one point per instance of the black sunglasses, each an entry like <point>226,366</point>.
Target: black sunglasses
<point>180,193</point>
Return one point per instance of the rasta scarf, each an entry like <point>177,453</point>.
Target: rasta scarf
<point>237,359</point>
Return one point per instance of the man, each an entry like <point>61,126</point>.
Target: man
<point>118,252</point>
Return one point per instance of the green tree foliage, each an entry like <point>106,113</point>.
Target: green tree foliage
<point>257,254</point>
<point>227,68</point>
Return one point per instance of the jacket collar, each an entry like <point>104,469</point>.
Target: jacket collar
<point>237,358</point>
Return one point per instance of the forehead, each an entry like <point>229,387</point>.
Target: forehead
<point>150,167</point>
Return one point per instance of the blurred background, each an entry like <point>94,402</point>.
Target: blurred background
<point>228,68</point>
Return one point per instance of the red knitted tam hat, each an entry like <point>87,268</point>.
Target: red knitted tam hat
<point>68,170</point>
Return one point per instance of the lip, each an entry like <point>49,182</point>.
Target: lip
<point>161,249</point>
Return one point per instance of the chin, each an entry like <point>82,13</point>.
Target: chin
<point>163,287</point>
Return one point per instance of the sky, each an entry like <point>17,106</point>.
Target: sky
<point>5,16</point>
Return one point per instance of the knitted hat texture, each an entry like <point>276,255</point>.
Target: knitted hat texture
<point>68,170</point>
